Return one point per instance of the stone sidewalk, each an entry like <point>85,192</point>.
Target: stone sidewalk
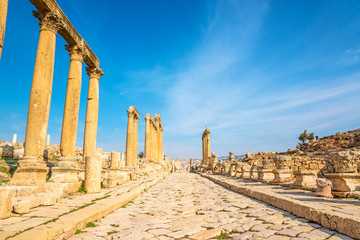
<point>69,214</point>
<point>342,214</point>
<point>188,206</point>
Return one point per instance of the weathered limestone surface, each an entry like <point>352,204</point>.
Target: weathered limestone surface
<point>5,202</point>
<point>31,168</point>
<point>72,213</point>
<point>195,208</point>
<point>342,215</point>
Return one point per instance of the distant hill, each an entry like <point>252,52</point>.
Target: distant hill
<point>222,158</point>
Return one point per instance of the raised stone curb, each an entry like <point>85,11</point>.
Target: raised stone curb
<point>65,226</point>
<point>343,223</point>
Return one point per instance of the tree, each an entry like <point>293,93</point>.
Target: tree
<point>305,136</point>
<point>141,155</point>
<point>311,137</point>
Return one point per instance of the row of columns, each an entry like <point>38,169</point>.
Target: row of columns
<point>132,137</point>
<point>206,146</point>
<point>154,138</point>
<point>32,169</point>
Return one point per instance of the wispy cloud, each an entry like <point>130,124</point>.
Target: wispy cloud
<point>351,56</point>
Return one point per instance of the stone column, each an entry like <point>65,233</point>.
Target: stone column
<point>14,138</point>
<point>161,145</point>
<point>115,158</point>
<point>67,168</point>
<point>3,13</point>
<point>206,146</point>
<point>147,136</point>
<point>31,168</point>
<point>92,162</point>
<point>152,129</point>
<point>136,118</point>
<point>131,137</point>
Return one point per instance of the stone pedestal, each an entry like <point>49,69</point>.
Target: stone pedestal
<point>265,175</point>
<point>253,172</point>
<point>66,171</point>
<point>232,171</point>
<point>30,171</point>
<point>245,172</point>
<point>238,171</point>
<point>92,174</point>
<point>304,178</point>
<point>345,182</point>
<point>282,176</point>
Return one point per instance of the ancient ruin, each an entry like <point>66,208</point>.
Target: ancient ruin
<point>206,146</point>
<point>132,137</point>
<point>154,138</point>
<point>62,191</point>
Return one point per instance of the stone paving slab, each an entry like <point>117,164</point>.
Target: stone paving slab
<point>343,215</point>
<point>188,206</point>
<point>69,214</point>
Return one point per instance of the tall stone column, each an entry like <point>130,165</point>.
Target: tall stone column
<point>206,146</point>
<point>147,136</point>
<point>136,118</point>
<point>161,145</point>
<point>14,138</point>
<point>67,168</point>
<point>92,162</point>
<point>131,137</point>
<point>152,140</point>
<point>3,14</point>
<point>31,168</point>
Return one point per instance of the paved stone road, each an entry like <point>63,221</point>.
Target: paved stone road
<point>185,205</point>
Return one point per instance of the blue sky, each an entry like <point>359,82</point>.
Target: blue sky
<point>259,72</point>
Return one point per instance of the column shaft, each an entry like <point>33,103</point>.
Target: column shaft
<point>135,141</point>
<point>92,161</point>
<point>130,140</point>
<point>3,14</point>
<point>72,103</point>
<point>147,136</point>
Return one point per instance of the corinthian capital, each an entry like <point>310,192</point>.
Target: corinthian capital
<point>94,72</point>
<point>50,20</point>
<point>76,52</point>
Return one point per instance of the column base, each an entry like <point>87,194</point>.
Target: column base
<point>344,182</point>
<point>66,171</point>
<point>305,178</point>
<point>31,171</point>
<point>282,176</point>
<point>265,175</point>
